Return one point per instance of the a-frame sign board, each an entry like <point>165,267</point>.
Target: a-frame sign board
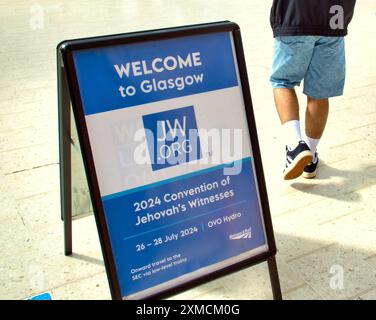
<point>169,143</point>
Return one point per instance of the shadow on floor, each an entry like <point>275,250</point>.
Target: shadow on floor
<point>346,189</point>
<point>87,259</point>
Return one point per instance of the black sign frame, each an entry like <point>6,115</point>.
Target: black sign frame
<point>67,80</point>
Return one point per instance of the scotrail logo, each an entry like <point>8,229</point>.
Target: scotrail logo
<point>245,234</point>
<point>172,137</point>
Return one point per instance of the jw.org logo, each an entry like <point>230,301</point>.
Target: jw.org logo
<point>245,234</point>
<point>172,137</point>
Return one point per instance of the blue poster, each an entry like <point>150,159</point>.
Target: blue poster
<point>173,158</point>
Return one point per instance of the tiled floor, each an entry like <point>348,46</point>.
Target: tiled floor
<point>322,226</point>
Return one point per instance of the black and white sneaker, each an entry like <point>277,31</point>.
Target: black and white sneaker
<point>310,170</point>
<point>296,160</point>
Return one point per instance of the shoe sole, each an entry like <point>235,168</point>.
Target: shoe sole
<point>297,166</point>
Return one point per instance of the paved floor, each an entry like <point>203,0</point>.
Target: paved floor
<point>323,227</point>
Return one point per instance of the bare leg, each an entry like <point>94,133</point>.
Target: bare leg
<point>316,117</point>
<point>287,104</point>
<point>297,155</point>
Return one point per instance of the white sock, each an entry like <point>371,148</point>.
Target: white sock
<point>292,135</point>
<point>312,144</point>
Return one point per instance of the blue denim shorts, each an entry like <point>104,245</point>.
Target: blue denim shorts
<point>319,61</point>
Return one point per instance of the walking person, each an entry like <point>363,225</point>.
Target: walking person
<point>310,47</point>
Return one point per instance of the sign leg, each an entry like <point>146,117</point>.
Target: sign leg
<point>65,155</point>
<point>274,278</point>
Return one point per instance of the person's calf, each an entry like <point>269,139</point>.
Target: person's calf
<point>287,104</point>
<point>316,117</point>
